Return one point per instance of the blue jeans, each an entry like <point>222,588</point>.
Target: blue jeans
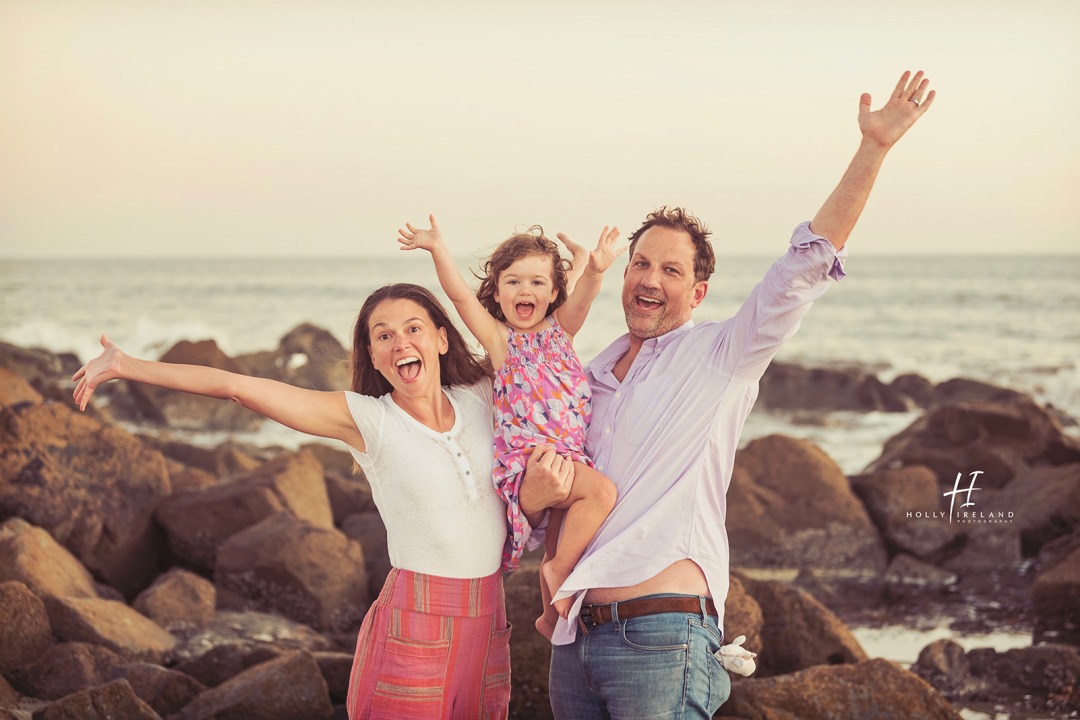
<point>647,668</point>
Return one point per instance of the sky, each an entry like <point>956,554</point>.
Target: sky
<point>229,128</point>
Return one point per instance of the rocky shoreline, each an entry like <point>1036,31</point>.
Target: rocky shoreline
<point>144,577</point>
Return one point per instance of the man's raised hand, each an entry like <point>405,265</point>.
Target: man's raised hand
<point>907,104</point>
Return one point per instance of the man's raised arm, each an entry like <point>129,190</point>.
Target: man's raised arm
<point>880,131</point>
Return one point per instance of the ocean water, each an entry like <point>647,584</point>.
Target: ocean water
<point>1014,321</point>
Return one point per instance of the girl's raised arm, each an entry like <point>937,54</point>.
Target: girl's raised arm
<point>325,414</point>
<point>487,330</point>
<point>573,313</point>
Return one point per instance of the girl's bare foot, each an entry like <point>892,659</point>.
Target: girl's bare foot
<point>553,578</point>
<point>545,624</point>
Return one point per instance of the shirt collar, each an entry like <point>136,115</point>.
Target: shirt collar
<point>602,363</point>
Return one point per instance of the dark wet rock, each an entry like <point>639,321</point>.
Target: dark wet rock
<point>944,664</point>
<point>914,386</point>
<point>286,688</point>
<point>798,631</point>
<point>1056,599</point>
<point>327,362</point>
<point>37,366</point>
<point>176,409</point>
<point>530,652</point>
<point>184,477</point>
<point>1000,440</point>
<point>909,509</point>
<point>227,461</point>
<point>178,600</point>
<point>790,505</point>
<point>1042,677</point>
<point>1055,551</point>
<point>1046,504</point>
<point>349,494</point>
<point>198,522</point>
<point>871,689</point>
<point>367,529</point>
<point>93,487</point>
<point>335,668</point>
<point>962,390</point>
<point>233,642</point>
<point>65,669</point>
<point>164,690</point>
<point>111,624</point>
<point>906,570</point>
<point>13,389</point>
<point>25,632</point>
<point>742,616</point>
<point>310,574</point>
<point>30,555</point>
<point>333,459</point>
<point>112,700</point>
<point>786,386</point>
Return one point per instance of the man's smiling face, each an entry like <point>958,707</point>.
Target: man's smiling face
<point>659,289</point>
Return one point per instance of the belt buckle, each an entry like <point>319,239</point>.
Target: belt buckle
<point>586,614</point>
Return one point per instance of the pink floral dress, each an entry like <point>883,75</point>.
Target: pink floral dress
<point>541,397</point>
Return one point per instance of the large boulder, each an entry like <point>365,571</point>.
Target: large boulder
<point>31,556</point>
<point>198,522</point>
<point>14,390</point>
<point>790,505</point>
<point>38,367</point>
<point>25,632</point>
<point>310,574</point>
<point>909,509</point>
<point>109,623</point>
<point>227,461</point>
<point>872,689</point>
<point>1041,678</point>
<point>65,669</point>
<point>367,529</point>
<point>786,386</point>
<point>286,688</point>
<point>1056,598</point>
<point>177,409</point>
<point>164,690</point>
<point>93,487</point>
<point>178,600</point>
<point>113,700</point>
<point>1045,503</point>
<point>1000,440</point>
<point>324,364</point>
<point>742,616</point>
<point>798,631</point>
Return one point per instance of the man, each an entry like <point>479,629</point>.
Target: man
<point>669,402</point>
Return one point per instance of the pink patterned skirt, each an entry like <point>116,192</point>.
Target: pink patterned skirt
<point>433,647</point>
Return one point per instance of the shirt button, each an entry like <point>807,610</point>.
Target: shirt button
<point>607,430</point>
<point>468,472</point>
<point>618,394</point>
<point>459,454</point>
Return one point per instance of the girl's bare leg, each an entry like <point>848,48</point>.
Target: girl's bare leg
<point>545,624</point>
<point>591,499</point>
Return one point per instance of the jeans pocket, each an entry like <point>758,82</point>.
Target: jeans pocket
<point>657,633</point>
<point>411,678</point>
<point>497,675</point>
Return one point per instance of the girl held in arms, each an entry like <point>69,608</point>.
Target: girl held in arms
<point>525,319</point>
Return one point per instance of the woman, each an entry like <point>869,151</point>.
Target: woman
<point>435,644</point>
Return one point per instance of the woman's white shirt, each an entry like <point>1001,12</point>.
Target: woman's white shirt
<point>434,489</point>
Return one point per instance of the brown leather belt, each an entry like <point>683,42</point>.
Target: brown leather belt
<point>600,614</point>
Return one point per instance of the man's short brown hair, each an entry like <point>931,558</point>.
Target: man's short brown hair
<point>679,219</point>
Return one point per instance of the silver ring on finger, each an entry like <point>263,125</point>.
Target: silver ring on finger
<point>914,101</point>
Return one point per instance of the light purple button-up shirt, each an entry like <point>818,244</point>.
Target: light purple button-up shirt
<point>666,435</point>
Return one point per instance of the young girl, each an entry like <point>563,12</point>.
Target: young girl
<point>523,317</point>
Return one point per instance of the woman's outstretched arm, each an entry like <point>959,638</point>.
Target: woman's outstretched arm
<point>325,414</point>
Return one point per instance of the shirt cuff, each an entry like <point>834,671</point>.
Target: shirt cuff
<point>803,239</point>
<point>534,537</point>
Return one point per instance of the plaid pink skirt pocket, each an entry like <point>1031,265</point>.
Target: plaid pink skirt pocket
<point>497,675</point>
<point>411,678</point>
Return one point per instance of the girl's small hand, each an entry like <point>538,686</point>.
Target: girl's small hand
<point>605,253</point>
<point>579,253</point>
<point>103,368</point>
<point>414,238</point>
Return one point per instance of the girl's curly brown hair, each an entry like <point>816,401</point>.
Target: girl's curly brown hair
<point>509,252</point>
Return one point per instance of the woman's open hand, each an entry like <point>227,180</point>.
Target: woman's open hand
<point>105,367</point>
